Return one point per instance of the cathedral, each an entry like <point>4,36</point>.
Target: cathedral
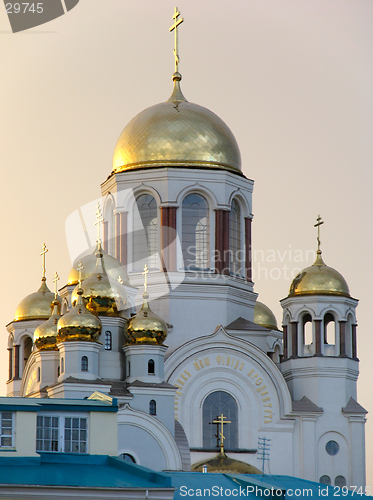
<point>160,313</point>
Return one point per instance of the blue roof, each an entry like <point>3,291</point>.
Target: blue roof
<point>74,470</point>
<point>56,404</point>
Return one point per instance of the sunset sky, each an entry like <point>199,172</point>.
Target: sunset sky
<point>292,79</point>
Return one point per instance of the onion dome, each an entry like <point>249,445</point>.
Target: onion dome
<point>222,463</point>
<point>146,327</point>
<point>45,335</point>
<point>177,133</point>
<point>102,295</point>
<point>263,316</point>
<point>78,324</point>
<point>319,279</point>
<point>37,305</point>
<point>115,270</point>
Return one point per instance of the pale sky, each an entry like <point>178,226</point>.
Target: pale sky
<point>292,79</point>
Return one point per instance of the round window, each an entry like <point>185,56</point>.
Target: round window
<point>332,448</point>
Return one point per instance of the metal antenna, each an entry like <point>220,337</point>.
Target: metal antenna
<point>263,451</point>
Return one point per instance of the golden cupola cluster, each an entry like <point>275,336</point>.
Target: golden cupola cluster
<point>102,295</point>
<point>263,316</point>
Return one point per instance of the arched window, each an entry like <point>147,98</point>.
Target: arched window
<point>325,480</point>
<point>307,329</point>
<point>340,481</point>
<point>195,232</point>
<point>38,377</point>
<point>127,458</point>
<point>151,367</point>
<point>152,407</point>
<point>62,365</point>
<point>215,404</point>
<point>84,364</point>
<point>145,241</point>
<point>329,329</point>
<point>27,348</point>
<point>235,254</point>
<point>107,340</point>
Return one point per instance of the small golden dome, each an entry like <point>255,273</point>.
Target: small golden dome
<point>146,327</point>
<point>222,463</point>
<point>78,324</point>
<point>113,267</point>
<point>263,316</point>
<point>319,279</point>
<point>45,335</point>
<point>37,305</point>
<point>176,133</point>
<point>102,296</point>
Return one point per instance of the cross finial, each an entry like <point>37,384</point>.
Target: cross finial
<point>42,253</point>
<point>145,273</point>
<point>55,280</point>
<point>80,269</point>
<point>99,219</point>
<point>221,420</point>
<point>177,22</point>
<point>318,224</point>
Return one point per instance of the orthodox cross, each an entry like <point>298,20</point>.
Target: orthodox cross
<point>145,273</point>
<point>42,253</point>
<point>172,28</point>
<point>221,420</point>
<point>318,224</point>
<point>55,280</point>
<point>80,269</point>
<point>99,219</point>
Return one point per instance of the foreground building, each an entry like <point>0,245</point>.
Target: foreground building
<point>177,202</point>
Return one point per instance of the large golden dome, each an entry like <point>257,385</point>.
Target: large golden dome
<point>45,335</point>
<point>113,267</point>
<point>263,316</point>
<point>37,305</point>
<point>177,133</point>
<point>78,324</point>
<point>319,279</point>
<point>146,327</point>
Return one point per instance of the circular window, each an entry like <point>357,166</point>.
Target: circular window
<point>332,448</point>
<point>325,480</point>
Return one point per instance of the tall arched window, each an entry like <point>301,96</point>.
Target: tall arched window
<point>108,340</point>
<point>195,232</point>
<point>145,241</point>
<point>62,365</point>
<point>236,262</point>
<point>215,404</point>
<point>329,329</point>
<point>27,348</point>
<point>151,367</point>
<point>152,407</point>
<point>84,365</point>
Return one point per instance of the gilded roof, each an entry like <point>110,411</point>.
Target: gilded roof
<point>263,316</point>
<point>176,133</point>
<point>146,327</point>
<point>37,305</point>
<point>45,335</point>
<point>222,463</point>
<point>319,279</point>
<point>113,267</point>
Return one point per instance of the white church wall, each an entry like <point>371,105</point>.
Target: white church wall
<point>103,433</point>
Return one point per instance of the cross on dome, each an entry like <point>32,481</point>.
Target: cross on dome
<point>174,28</point>
<point>55,281</point>
<point>318,224</point>
<point>80,269</point>
<point>42,253</point>
<point>99,219</point>
<point>145,273</point>
<point>221,420</point>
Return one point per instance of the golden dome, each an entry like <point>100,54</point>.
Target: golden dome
<point>45,335</point>
<point>263,316</point>
<point>113,267</point>
<point>319,279</point>
<point>102,296</point>
<point>146,327</point>
<point>176,133</point>
<point>222,463</point>
<point>78,324</point>
<point>37,305</point>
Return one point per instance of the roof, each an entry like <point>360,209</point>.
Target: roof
<point>57,404</point>
<point>245,324</point>
<point>354,407</point>
<point>306,405</point>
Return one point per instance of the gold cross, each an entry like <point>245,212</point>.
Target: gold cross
<point>145,273</point>
<point>55,280</point>
<point>318,224</point>
<point>42,253</point>
<point>172,28</point>
<point>99,219</point>
<point>220,420</point>
<point>80,269</point>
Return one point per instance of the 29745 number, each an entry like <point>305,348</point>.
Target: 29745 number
<point>16,8</point>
